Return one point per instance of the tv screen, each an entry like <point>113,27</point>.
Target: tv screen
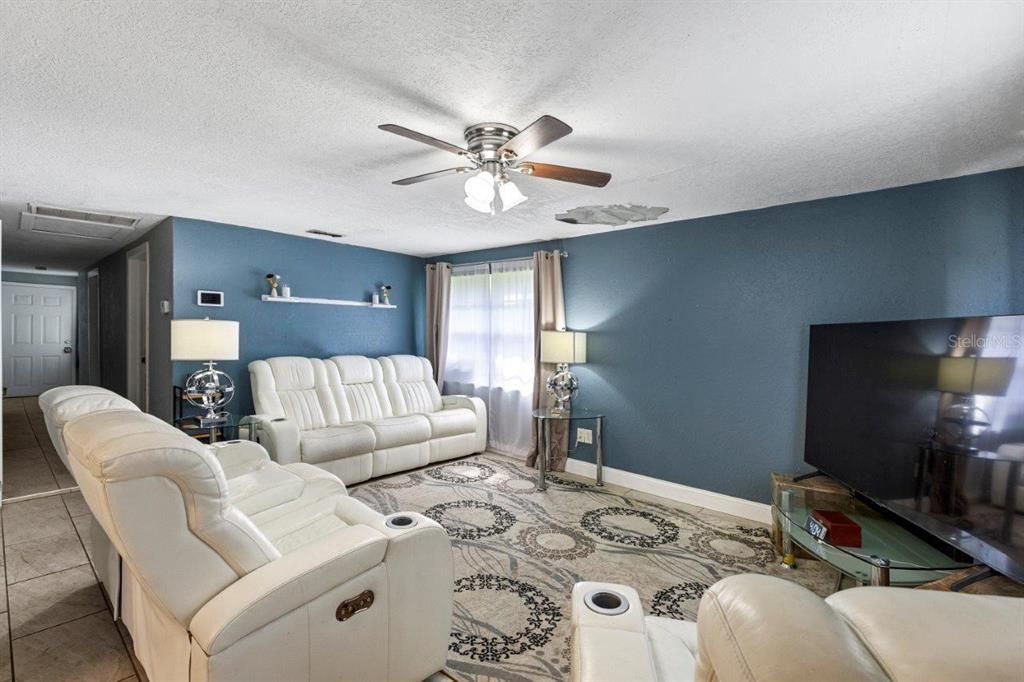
<point>926,418</point>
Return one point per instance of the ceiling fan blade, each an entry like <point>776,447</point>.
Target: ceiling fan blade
<point>540,133</point>
<point>580,176</point>
<point>425,139</point>
<point>436,174</point>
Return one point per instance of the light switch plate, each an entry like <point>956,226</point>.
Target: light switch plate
<point>584,435</point>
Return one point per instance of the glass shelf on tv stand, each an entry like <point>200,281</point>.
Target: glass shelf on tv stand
<point>889,554</point>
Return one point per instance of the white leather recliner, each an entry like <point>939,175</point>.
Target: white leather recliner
<point>63,404</point>
<point>59,406</point>
<point>277,575</point>
<point>360,417</point>
<point>756,627</point>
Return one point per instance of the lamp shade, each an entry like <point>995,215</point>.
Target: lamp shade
<point>204,340</point>
<point>975,376</point>
<point>563,347</point>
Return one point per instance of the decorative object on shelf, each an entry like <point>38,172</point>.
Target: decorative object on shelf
<point>837,526</point>
<point>273,281</point>
<point>286,291</point>
<point>375,299</point>
<point>816,528</point>
<point>206,340</point>
<point>563,348</point>
<point>385,292</point>
<point>966,377</point>
<point>205,297</point>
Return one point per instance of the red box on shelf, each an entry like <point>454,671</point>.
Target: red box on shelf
<point>842,530</point>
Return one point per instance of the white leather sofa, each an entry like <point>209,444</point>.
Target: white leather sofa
<point>238,568</point>
<point>756,627</point>
<point>360,417</point>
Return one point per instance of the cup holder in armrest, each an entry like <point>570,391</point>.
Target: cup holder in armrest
<point>400,521</point>
<point>606,602</point>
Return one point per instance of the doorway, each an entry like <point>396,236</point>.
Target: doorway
<point>138,326</point>
<point>90,373</point>
<point>38,338</point>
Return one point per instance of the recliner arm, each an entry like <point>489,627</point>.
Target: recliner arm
<point>283,585</point>
<point>468,401</point>
<point>280,436</point>
<point>609,648</point>
<point>478,407</point>
<point>807,639</point>
<point>239,457</point>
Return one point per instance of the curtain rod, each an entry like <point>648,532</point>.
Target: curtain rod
<point>564,254</point>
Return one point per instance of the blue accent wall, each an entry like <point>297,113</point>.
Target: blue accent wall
<point>236,260</point>
<point>698,329</point>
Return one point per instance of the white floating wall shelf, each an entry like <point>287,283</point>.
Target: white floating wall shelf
<point>323,301</point>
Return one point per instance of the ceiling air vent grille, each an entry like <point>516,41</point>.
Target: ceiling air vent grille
<point>322,233</point>
<point>66,222</point>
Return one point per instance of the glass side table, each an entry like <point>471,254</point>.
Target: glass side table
<point>543,418</point>
<point>209,433</point>
<point>889,554</point>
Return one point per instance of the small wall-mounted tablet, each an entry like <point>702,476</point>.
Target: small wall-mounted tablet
<point>212,298</point>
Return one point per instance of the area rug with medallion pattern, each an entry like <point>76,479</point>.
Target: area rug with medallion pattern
<point>518,552</point>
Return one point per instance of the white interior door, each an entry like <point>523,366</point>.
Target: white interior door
<point>39,336</point>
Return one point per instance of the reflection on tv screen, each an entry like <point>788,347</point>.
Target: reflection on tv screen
<point>927,418</point>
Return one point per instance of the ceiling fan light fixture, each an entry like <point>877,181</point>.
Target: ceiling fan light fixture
<point>480,187</point>
<point>510,195</point>
<point>481,206</point>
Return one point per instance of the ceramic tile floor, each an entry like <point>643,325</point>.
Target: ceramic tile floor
<point>55,623</point>
<point>31,465</point>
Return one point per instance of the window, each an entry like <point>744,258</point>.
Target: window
<point>490,347</point>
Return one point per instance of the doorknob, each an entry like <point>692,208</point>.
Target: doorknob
<point>67,349</point>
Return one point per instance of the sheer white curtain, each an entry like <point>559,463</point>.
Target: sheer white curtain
<point>490,347</point>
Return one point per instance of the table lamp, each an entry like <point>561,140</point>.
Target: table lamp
<point>205,341</point>
<point>563,348</point>
<point>967,377</point>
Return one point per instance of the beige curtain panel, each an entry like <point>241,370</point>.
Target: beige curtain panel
<point>549,314</point>
<point>439,278</point>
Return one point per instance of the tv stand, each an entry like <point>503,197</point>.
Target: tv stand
<point>889,553</point>
<point>812,474</point>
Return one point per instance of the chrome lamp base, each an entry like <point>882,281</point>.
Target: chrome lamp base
<point>210,389</point>
<point>563,386</point>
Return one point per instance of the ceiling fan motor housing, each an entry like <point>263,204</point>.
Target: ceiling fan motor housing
<point>485,139</point>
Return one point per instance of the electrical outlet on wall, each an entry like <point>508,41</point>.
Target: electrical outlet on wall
<point>584,435</point>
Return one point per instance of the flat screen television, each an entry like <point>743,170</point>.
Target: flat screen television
<point>926,418</point>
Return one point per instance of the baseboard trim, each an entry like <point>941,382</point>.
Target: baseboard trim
<point>677,492</point>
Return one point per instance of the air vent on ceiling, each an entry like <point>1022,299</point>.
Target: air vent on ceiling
<point>322,233</point>
<point>66,222</point>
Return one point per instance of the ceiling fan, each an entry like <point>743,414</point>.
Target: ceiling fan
<point>494,151</point>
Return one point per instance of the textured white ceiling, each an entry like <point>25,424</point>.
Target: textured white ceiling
<point>265,114</point>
